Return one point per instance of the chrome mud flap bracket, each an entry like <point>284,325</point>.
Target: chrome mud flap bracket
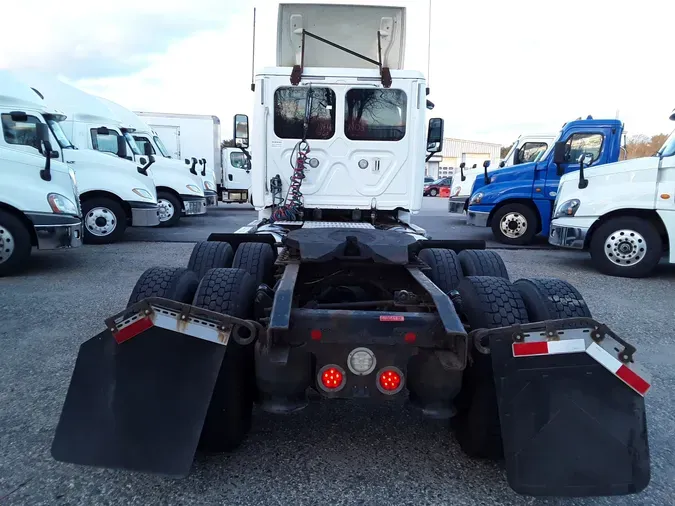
<point>141,389</point>
<point>571,408</point>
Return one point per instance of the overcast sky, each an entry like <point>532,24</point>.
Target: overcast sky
<point>498,68</point>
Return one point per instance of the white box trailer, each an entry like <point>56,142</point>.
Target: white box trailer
<point>198,136</point>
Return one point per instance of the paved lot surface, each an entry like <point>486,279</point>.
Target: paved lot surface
<point>331,453</point>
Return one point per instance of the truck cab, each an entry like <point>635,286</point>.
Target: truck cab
<point>526,149</point>
<point>236,175</point>
<point>622,213</point>
<point>180,189</point>
<point>39,200</point>
<point>114,191</point>
<point>517,201</point>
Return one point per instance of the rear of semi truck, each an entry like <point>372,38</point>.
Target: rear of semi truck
<point>333,289</point>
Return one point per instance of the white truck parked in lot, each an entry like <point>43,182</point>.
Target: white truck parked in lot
<point>175,182</point>
<point>114,193</point>
<point>39,201</point>
<point>333,289</point>
<point>623,213</point>
<point>235,176</point>
<point>193,137</point>
<point>92,125</point>
<point>526,149</point>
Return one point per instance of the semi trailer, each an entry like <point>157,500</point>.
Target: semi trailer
<point>334,289</point>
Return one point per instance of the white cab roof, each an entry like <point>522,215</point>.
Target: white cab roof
<point>352,26</point>
<point>14,92</point>
<point>75,103</point>
<point>128,118</point>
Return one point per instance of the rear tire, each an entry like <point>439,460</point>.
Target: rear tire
<point>514,224</point>
<point>487,302</point>
<point>15,244</point>
<point>641,240</point>
<point>551,299</point>
<point>446,271</point>
<point>207,255</point>
<point>257,259</point>
<point>171,283</point>
<point>170,209</point>
<point>228,420</point>
<point>104,221</point>
<point>482,263</point>
<point>433,192</point>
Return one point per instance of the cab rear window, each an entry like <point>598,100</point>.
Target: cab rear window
<point>373,114</point>
<point>290,105</point>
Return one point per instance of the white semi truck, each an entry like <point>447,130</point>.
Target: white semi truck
<point>176,183</point>
<point>623,213</point>
<point>39,200</point>
<point>527,148</point>
<point>334,289</point>
<point>92,125</point>
<point>114,192</point>
<point>194,138</point>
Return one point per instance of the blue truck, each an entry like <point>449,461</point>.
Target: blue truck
<point>517,202</point>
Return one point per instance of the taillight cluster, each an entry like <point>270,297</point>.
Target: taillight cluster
<point>361,361</point>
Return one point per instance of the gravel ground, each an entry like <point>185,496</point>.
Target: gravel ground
<point>337,453</point>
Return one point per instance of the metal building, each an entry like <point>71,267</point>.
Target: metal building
<point>456,151</point>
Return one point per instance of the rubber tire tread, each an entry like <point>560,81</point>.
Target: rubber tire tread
<point>228,419</point>
<point>116,209</point>
<point>530,217</point>
<point>173,283</point>
<point>177,206</point>
<point>446,271</point>
<point>207,255</point>
<point>551,299</point>
<point>22,244</point>
<point>487,302</point>
<point>640,270</point>
<point>257,259</point>
<point>482,263</point>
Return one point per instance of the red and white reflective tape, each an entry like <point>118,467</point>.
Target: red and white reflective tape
<point>169,320</point>
<point>622,371</point>
<point>548,347</point>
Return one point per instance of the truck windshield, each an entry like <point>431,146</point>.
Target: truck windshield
<point>132,143</point>
<point>161,147</point>
<point>668,148</point>
<point>61,137</point>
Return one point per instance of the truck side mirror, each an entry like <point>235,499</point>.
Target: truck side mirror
<point>187,161</point>
<point>486,164</point>
<point>144,169</point>
<point>560,156</point>
<point>461,171</point>
<point>435,135</point>
<point>193,169</point>
<point>584,160</point>
<point>147,149</point>
<point>121,147</point>
<point>42,134</point>
<point>502,164</point>
<point>202,162</point>
<point>241,130</point>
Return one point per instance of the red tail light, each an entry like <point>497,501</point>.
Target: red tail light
<point>390,380</point>
<point>331,378</point>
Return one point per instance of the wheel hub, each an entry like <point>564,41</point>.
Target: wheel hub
<point>625,247</point>
<point>513,225</point>
<point>100,221</point>
<point>166,210</point>
<point>6,244</point>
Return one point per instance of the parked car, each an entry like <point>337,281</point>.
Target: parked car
<point>434,188</point>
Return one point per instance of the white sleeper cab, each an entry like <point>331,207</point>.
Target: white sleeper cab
<point>115,192</point>
<point>39,202</point>
<point>623,213</point>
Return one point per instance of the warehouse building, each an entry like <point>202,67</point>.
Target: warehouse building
<point>456,151</point>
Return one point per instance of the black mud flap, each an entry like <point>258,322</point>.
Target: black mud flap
<point>138,397</point>
<point>572,415</point>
